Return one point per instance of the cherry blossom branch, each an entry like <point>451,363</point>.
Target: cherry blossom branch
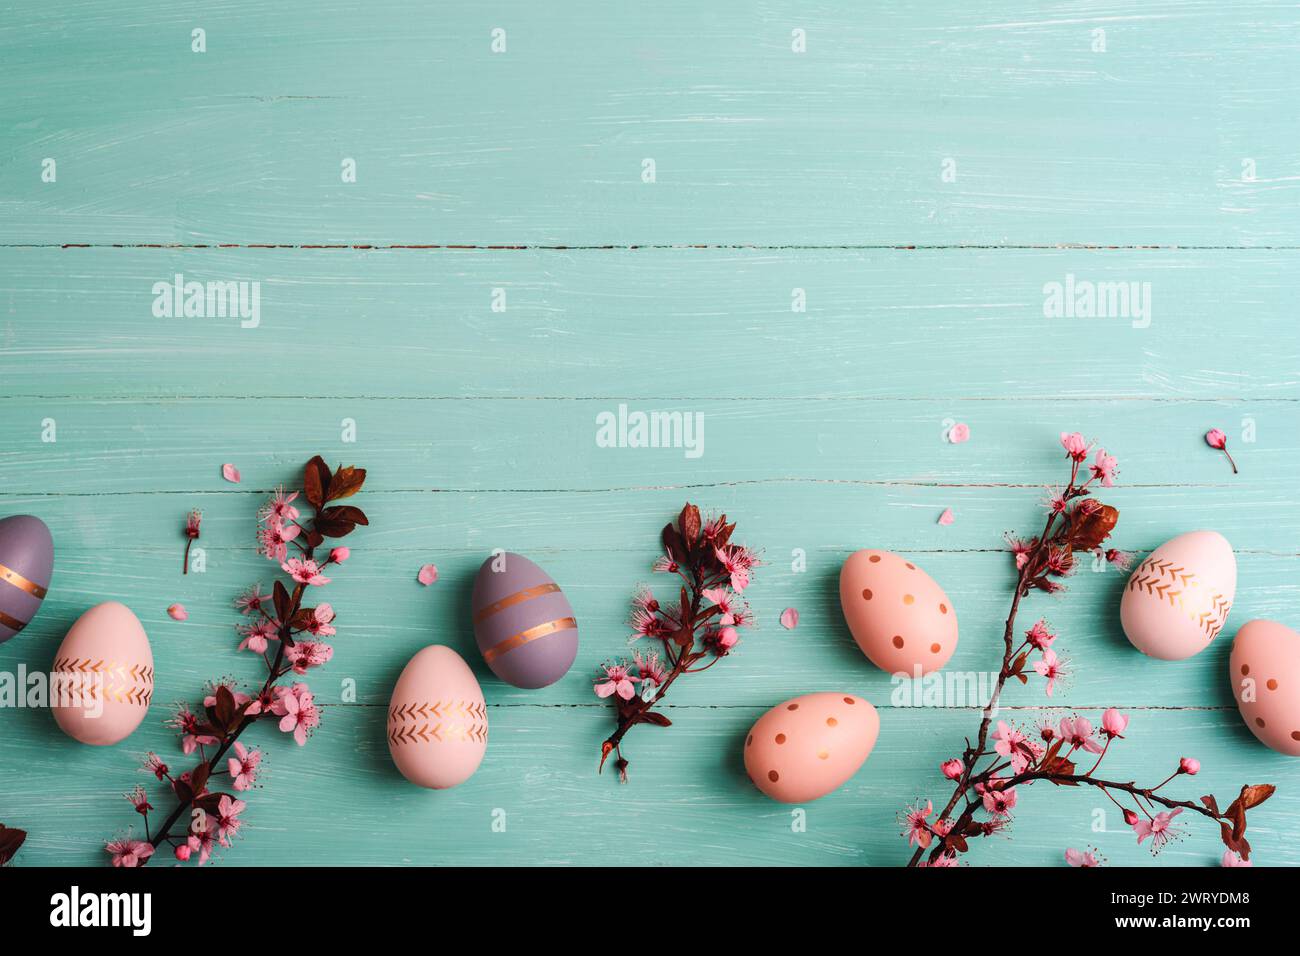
<point>704,623</point>
<point>1076,524</point>
<point>227,713</point>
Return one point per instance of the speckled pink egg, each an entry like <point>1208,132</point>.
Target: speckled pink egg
<point>1177,600</point>
<point>900,617</point>
<point>1265,670</point>
<point>437,720</point>
<point>806,747</point>
<point>102,676</point>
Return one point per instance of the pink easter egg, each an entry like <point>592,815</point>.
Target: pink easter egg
<point>1265,671</point>
<point>806,747</point>
<point>437,720</point>
<point>102,676</point>
<point>900,617</point>
<point>1178,599</point>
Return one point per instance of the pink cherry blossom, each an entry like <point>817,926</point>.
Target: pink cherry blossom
<point>943,860</point>
<point>243,766</point>
<point>188,724</point>
<point>228,822</point>
<point>1084,858</point>
<point>153,763</point>
<point>998,801</point>
<point>230,473</point>
<point>280,508</point>
<point>617,681</point>
<point>725,602</point>
<point>257,635</point>
<point>738,564</point>
<point>128,853</point>
<point>1051,667</point>
<point>946,518</point>
<point>1075,445</point>
<point>203,842</point>
<point>790,618</point>
<point>321,616</point>
<point>251,600</point>
<point>1113,723</point>
<point>1160,829</point>
<point>1105,467</point>
<point>183,853</point>
<point>1013,744</point>
<point>1121,560</point>
<point>1189,765</point>
<point>959,433</point>
<point>1040,636</point>
<point>297,710</point>
<point>1021,549</point>
<point>727,638</point>
<point>916,826</point>
<point>304,655</point>
<point>952,769</point>
<point>428,574</point>
<point>140,800</point>
<point>273,539</point>
<point>1231,859</point>
<point>340,554</point>
<point>665,565</point>
<point>177,612</point>
<point>1077,733</point>
<point>650,667</point>
<point>304,571</point>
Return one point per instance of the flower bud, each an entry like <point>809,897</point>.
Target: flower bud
<point>952,769</point>
<point>340,554</point>
<point>183,852</point>
<point>1189,765</point>
<point>1130,817</point>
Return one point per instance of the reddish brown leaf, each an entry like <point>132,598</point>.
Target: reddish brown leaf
<point>1255,794</point>
<point>333,527</point>
<point>689,522</point>
<point>315,479</point>
<point>1089,527</point>
<point>199,777</point>
<point>11,838</point>
<point>656,718</point>
<point>347,481</point>
<point>1211,804</point>
<point>345,513</point>
<point>280,598</point>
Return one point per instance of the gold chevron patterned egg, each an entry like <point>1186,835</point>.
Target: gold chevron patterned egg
<point>103,676</point>
<point>437,720</point>
<point>1178,599</point>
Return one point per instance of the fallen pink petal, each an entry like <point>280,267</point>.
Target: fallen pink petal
<point>790,619</point>
<point>959,433</point>
<point>230,473</point>
<point>946,517</point>
<point>428,574</point>
<point>178,612</point>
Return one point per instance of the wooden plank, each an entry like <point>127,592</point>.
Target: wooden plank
<point>879,324</point>
<point>688,790</point>
<point>753,143</point>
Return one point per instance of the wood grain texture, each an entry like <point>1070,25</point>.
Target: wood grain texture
<point>823,429</point>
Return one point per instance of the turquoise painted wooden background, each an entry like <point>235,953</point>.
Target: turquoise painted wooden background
<point>921,171</point>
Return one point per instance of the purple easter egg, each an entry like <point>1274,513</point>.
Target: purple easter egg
<point>26,565</point>
<point>523,622</point>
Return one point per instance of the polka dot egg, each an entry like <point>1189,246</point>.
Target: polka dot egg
<point>900,617</point>
<point>806,747</point>
<point>1265,670</point>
